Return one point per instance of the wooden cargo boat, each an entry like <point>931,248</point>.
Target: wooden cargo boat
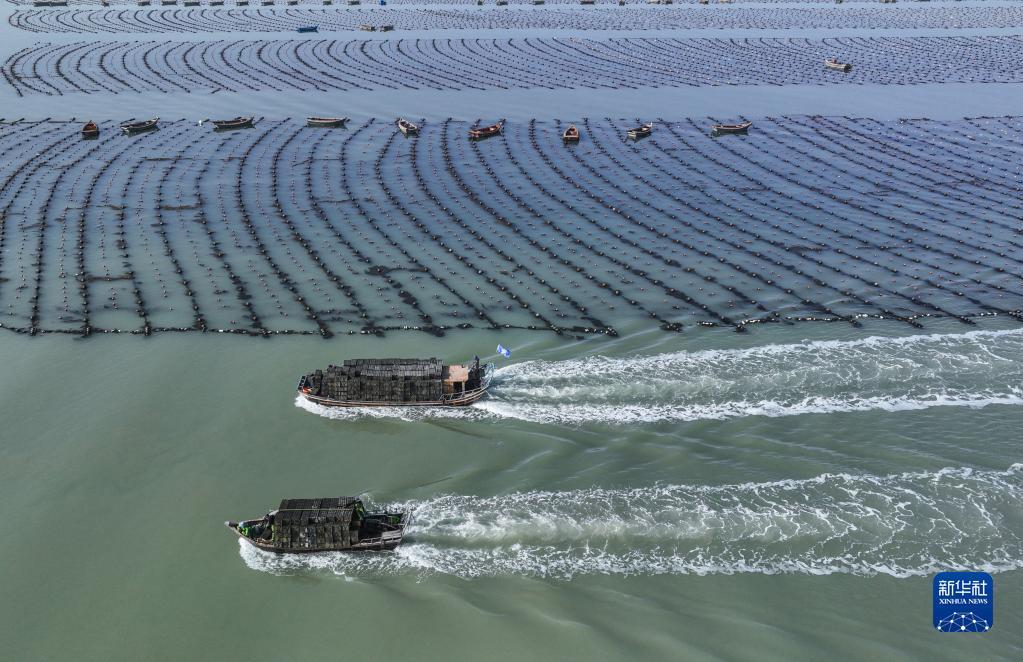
<point>308,28</point>
<point>833,63</point>
<point>90,130</point>
<point>725,129</point>
<point>366,27</point>
<point>571,134</point>
<point>641,131</point>
<point>397,383</point>
<point>328,122</point>
<point>407,128</point>
<point>130,128</point>
<point>337,524</point>
<point>481,132</point>
<point>236,123</point>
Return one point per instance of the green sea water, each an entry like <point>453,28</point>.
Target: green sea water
<point>776,495</point>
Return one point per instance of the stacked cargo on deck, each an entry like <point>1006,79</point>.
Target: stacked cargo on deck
<point>381,380</point>
<point>331,523</point>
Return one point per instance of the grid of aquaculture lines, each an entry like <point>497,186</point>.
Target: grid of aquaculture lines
<point>606,17</point>
<point>284,229</point>
<point>117,66</point>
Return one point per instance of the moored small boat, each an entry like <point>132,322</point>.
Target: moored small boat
<point>138,127</point>
<point>366,27</point>
<point>333,524</point>
<point>308,28</point>
<point>236,123</point>
<point>725,129</point>
<point>481,132</point>
<point>90,130</point>
<point>641,131</point>
<point>833,63</point>
<point>326,122</point>
<point>407,128</point>
<point>397,383</point>
<point>571,134</point>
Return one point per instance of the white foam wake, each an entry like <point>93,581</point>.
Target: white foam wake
<point>973,369</point>
<point>901,525</point>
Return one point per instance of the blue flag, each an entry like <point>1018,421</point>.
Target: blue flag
<point>503,351</point>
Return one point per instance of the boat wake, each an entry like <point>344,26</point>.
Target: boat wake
<point>901,525</point>
<point>973,369</point>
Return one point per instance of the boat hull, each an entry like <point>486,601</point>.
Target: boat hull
<point>731,129</point>
<point>482,133</point>
<point>454,402</point>
<point>139,127</point>
<point>370,545</point>
<point>228,125</point>
<point>329,123</point>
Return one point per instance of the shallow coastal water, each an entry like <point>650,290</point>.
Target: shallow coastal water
<point>704,494</point>
<point>785,489</point>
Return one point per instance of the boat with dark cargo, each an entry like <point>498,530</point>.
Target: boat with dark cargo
<point>833,63</point>
<point>131,128</point>
<point>90,130</point>
<point>641,131</point>
<point>570,135</point>
<point>335,524</point>
<point>397,383</point>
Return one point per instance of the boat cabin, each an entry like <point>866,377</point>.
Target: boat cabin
<point>456,379</point>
